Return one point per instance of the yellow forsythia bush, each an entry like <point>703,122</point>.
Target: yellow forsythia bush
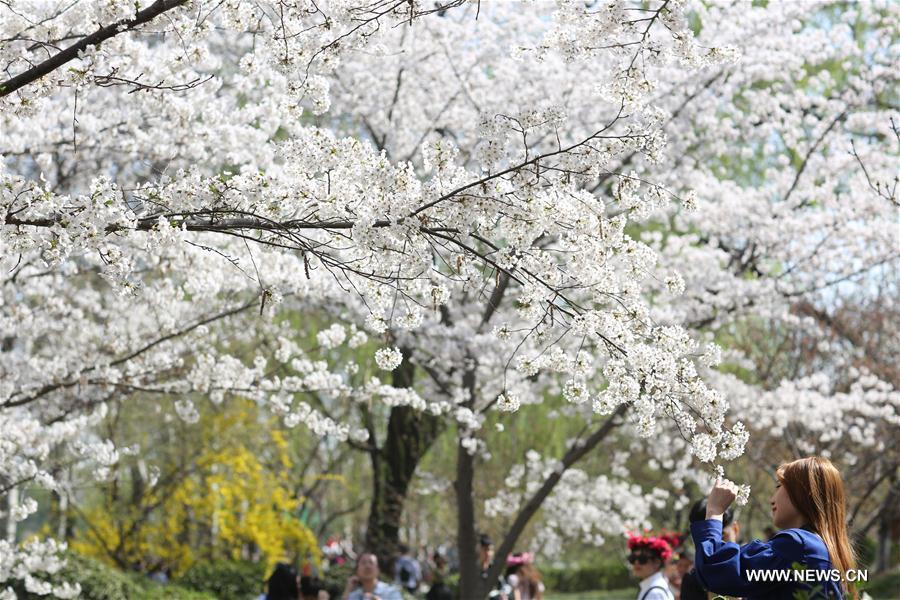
<point>226,503</point>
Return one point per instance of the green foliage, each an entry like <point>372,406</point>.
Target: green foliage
<point>226,580</point>
<point>336,578</point>
<point>610,575</point>
<point>452,582</point>
<point>337,575</point>
<point>160,591</point>
<point>865,551</point>
<point>883,586</point>
<point>98,581</point>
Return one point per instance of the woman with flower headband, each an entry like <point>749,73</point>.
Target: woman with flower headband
<point>647,558</point>
<point>523,578</point>
<point>808,507</point>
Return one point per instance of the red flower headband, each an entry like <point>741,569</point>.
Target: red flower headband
<point>660,545</point>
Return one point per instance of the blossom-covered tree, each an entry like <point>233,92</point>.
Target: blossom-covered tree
<point>511,202</point>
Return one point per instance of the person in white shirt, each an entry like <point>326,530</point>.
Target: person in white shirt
<point>364,584</point>
<point>647,557</point>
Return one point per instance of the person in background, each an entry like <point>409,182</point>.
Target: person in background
<point>681,567</point>
<point>364,584</point>
<point>523,578</point>
<point>438,588</point>
<point>439,567</point>
<point>647,557</point>
<point>485,553</point>
<point>500,591</point>
<point>808,507</point>
<point>281,584</point>
<point>336,551</point>
<point>691,588</point>
<point>685,562</point>
<point>670,568</point>
<point>407,571</point>
<point>159,576</point>
<point>313,588</point>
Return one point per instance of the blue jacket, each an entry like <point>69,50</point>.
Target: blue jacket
<point>722,566</point>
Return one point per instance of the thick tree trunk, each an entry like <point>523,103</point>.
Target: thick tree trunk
<point>410,434</point>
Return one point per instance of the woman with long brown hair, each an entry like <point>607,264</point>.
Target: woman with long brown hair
<point>523,578</point>
<point>808,507</point>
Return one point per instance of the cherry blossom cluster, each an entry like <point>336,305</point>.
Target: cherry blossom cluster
<point>581,508</point>
<point>30,564</point>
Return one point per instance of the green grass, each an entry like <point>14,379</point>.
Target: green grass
<point>626,594</point>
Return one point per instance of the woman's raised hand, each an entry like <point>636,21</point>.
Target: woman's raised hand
<point>720,498</point>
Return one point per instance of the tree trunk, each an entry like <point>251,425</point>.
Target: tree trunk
<point>410,434</point>
<point>471,584</point>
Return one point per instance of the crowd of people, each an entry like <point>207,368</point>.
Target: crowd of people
<point>519,581</point>
<point>807,507</point>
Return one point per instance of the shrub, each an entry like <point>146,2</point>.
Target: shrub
<point>160,591</point>
<point>609,575</point>
<point>226,580</point>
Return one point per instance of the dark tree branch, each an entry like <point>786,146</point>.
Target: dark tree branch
<point>112,79</point>
<point>98,37</point>
<point>574,454</point>
<point>889,473</point>
<point>496,298</point>
<point>812,151</point>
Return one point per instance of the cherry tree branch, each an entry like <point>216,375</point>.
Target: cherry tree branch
<point>50,387</point>
<point>98,37</point>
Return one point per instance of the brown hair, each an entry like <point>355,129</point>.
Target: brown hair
<point>816,489</point>
<point>532,579</point>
